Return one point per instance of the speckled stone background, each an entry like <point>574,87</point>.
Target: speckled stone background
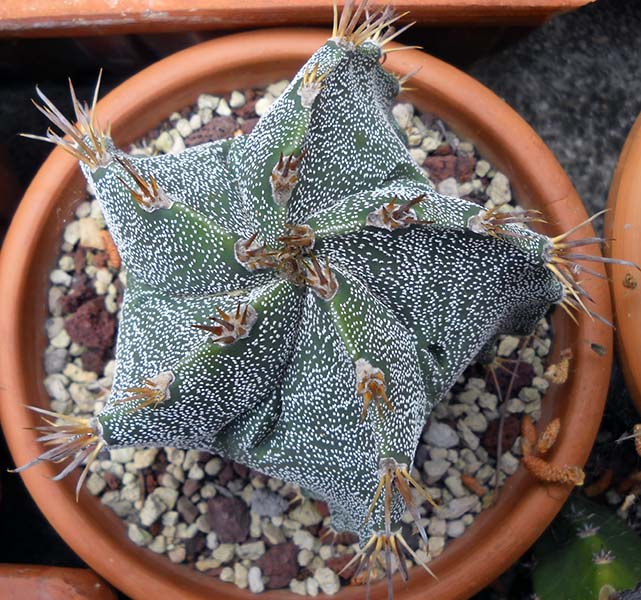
<point>576,80</point>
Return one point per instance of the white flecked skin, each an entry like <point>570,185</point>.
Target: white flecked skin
<point>418,303</point>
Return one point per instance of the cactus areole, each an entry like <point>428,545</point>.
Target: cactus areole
<point>300,298</point>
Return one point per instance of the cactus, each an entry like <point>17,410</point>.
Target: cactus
<point>300,298</point>
<point>587,554</point>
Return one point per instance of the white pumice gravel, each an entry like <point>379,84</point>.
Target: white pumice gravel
<point>165,496</point>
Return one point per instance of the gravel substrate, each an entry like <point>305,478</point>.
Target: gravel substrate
<point>217,515</point>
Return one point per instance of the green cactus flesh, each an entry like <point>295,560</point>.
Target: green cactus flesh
<point>588,553</point>
<point>299,299</point>
<point>412,298</point>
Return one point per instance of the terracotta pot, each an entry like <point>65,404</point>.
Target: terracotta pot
<point>52,583</point>
<point>500,535</point>
<point>90,17</point>
<point>623,224</point>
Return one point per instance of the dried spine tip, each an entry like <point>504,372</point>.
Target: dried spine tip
<point>637,438</point>
<point>298,238</point>
<point>390,216</point>
<point>376,27</point>
<point>393,473</point>
<point>378,551</point>
<point>370,384</point>
<point>154,391</point>
<point>252,255</point>
<point>150,196</point>
<point>311,86</point>
<point>88,142</point>
<point>320,278</point>
<point>231,326</point>
<point>79,439</point>
<point>284,177</point>
<point>491,222</point>
<point>562,262</point>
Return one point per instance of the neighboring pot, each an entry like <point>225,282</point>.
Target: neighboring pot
<point>52,583</point>
<point>501,534</point>
<point>91,17</point>
<point>623,225</point>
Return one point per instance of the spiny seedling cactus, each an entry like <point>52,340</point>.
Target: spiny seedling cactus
<point>587,554</point>
<point>300,298</point>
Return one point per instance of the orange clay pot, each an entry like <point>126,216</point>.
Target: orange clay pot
<point>623,224</point>
<point>44,18</point>
<point>501,534</point>
<point>51,583</point>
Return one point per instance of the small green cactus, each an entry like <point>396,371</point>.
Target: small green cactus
<point>300,298</point>
<point>587,554</point>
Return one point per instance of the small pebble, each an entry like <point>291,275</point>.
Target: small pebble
<point>255,580</point>
<point>262,105</point>
<point>441,435</point>
<point>138,536</point>
<point>327,580</point>
<point>223,108</point>
<point>236,99</point>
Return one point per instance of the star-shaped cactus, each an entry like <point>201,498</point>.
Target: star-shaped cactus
<point>299,299</point>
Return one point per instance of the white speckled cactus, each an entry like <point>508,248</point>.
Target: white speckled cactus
<point>300,298</point>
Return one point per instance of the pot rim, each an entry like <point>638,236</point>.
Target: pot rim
<point>499,535</point>
<point>623,228</point>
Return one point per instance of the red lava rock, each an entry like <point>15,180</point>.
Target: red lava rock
<point>443,150</point>
<point>195,546</point>
<point>217,129</point>
<point>229,518</point>
<point>511,430</point>
<point>99,259</point>
<point>155,528</point>
<point>113,483</point>
<point>91,325</point>
<point>249,125</point>
<point>524,376</point>
<point>322,508</point>
<point>81,292</point>
<point>337,564</point>
<point>93,361</point>
<point>247,111</point>
<point>440,167</point>
<point>226,474</point>
<point>346,538</point>
<point>241,470</point>
<point>151,483</point>
<point>279,565</point>
<point>465,166</point>
<point>79,261</point>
